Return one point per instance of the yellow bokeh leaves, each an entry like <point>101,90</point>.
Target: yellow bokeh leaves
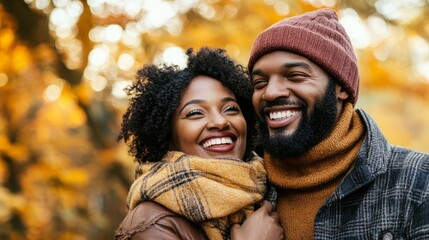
<point>18,152</point>
<point>56,112</point>
<point>20,58</point>
<point>74,177</point>
<point>7,38</point>
<point>9,202</point>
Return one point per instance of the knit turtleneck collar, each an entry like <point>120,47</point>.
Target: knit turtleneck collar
<point>326,161</point>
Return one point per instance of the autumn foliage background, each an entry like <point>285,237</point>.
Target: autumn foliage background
<point>64,64</point>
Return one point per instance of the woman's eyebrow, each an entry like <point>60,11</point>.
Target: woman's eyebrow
<point>199,101</point>
<point>228,99</point>
<point>193,101</point>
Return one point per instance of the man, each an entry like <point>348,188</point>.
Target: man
<point>336,175</point>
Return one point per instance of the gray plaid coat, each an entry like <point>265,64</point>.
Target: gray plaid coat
<point>385,196</point>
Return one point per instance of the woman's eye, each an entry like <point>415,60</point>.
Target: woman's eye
<point>194,112</point>
<point>232,109</point>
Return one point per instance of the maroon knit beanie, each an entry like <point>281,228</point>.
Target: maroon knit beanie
<point>317,36</point>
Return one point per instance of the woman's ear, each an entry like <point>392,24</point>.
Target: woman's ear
<point>172,147</point>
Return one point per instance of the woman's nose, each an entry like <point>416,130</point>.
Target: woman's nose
<point>218,121</point>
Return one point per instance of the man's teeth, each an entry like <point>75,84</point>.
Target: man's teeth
<point>217,141</point>
<point>282,114</point>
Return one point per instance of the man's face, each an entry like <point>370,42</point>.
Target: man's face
<point>296,101</point>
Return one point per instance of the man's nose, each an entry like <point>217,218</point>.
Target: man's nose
<point>276,88</point>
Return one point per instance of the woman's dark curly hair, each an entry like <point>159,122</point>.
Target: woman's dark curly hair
<point>157,91</point>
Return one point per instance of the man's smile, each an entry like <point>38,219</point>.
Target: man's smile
<point>277,117</point>
<point>282,114</point>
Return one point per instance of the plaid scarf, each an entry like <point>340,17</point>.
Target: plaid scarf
<point>214,193</point>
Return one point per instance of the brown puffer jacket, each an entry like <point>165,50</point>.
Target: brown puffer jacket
<point>150,220</point>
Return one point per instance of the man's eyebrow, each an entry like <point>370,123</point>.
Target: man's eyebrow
<point>257,72</point>
<point>297,64</point>
<point>286,65</point>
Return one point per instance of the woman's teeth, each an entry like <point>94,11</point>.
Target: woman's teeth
<point>217,141</point>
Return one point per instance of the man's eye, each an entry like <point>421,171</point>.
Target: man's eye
<point>296,75</point>
<point>259,83</point>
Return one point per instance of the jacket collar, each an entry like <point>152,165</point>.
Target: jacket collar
<point>372,159</point>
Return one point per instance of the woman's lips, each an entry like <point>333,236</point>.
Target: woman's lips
<point>219,142</point>
<point>221,148</point>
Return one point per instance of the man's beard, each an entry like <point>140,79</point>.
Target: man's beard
<point>312,129</point>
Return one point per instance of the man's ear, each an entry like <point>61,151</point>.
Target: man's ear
<point>341,92</point>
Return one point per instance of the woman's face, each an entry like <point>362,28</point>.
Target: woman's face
<point>208,121</point>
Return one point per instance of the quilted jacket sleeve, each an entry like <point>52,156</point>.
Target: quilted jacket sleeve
<point>152,221</point>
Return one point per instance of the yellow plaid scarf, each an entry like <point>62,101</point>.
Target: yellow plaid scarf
<point>215,193</point>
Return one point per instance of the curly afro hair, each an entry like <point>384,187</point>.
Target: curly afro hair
<point>156,93</point>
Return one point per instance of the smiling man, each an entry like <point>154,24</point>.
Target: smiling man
<point>336,175</point>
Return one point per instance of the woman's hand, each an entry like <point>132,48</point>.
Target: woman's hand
<point>262,224</point>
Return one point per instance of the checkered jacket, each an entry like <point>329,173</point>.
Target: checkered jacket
<point>385,196</point>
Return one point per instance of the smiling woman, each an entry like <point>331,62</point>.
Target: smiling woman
<point>193,132</point>
<point>158,96</point>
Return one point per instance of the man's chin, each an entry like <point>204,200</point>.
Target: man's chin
<point>282,146</point>
<point>281,153</point>
<point>280,132</point>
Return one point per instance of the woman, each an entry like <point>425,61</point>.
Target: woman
<point>190,130</point>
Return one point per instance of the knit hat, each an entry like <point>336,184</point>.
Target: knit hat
<point>317,36</point>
